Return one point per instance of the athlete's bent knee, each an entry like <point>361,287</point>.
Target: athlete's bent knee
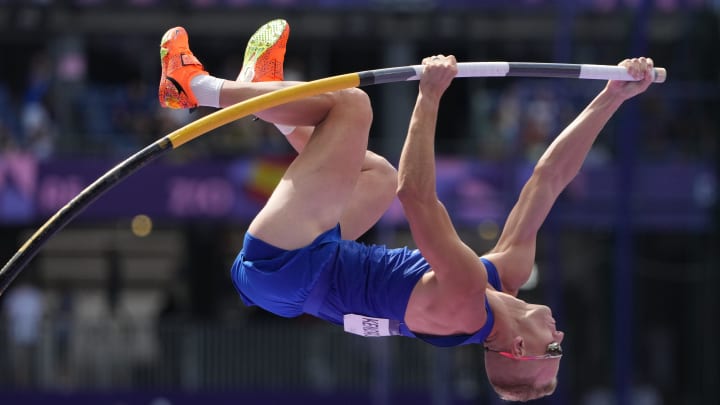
<point>383,173</point>
<point>381,165</point>
<point>389,179</point>
<point>357,102</point>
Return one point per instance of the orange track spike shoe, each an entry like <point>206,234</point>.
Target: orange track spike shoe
<point>179,66</point>
<point>265,53</point>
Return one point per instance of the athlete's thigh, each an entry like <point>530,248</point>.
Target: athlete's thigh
<point>317,186</point>
<point>374,191</point>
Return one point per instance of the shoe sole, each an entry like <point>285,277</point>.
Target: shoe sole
<point>263,39</point>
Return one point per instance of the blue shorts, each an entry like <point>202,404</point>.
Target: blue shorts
<point>328,278</point>
<point>280,280</point>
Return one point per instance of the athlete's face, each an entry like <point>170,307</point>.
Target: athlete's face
<point>533,356</point>
<point>540,338</point>
<point>540,329</point>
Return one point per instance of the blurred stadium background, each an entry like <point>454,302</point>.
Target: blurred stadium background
<point>132,303</point>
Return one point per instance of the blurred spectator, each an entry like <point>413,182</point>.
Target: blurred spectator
<point>24,310</point>
<point>134,115</point>
<point>538,123</point>
<point>18,172</point>
<point>172,316</point>
<point>62,334</point>
<point>37,126</point>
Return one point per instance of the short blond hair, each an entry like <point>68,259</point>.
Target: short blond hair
<point>523,392</point>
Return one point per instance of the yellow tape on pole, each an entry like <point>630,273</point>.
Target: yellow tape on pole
<point>273,99</point>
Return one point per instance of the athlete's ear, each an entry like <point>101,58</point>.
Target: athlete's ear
<point>518,346</point>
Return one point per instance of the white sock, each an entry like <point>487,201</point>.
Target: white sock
<point>285,129</point>
<point>207,90</point>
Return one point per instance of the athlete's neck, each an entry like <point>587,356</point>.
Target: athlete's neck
<point>507,310</point>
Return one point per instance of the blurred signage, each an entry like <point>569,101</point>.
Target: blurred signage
<point>663,196</point>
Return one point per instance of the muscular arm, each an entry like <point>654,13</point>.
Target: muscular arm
<point>514,253</point>
<point>455,265</point>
